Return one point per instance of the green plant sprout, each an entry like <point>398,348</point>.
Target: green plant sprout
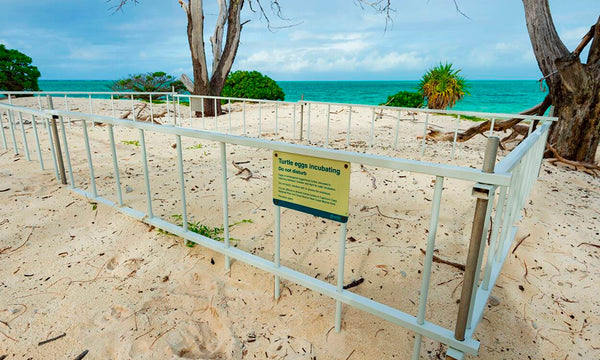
<point>204,230</point>
<point>197,146</point>
<point>131,142</point>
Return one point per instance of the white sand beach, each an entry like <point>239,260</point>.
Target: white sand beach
<point>123,290</point>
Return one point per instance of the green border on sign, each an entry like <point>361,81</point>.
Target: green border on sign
<point>309,210</point>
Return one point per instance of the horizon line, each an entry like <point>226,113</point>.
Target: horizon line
<point>536,80</point>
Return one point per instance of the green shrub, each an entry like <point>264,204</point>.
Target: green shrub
<point>204,230</point>
<point>131,142</point>
<point>149,82</point>
<point>251,85</point>
<point>16,71</point>
<point>408,99</point>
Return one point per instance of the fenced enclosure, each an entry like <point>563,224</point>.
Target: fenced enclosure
<point>98,170</point>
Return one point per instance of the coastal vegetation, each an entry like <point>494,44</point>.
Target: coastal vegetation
<point>215,233</point>
<point>439,88</point>
<point>252,85</point>
<point>410,99</point>
<point>149,82</point>
<point>442,86</point>
<point>16,71</point>
<point>131,142</point>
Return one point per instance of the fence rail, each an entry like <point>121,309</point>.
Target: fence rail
<point>301,121</point>
<point>505,191</point>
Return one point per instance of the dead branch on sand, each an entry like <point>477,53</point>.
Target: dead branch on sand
<point>437,135</point>
<point>581,166</point>
<point>242,170</point>
<point>438,259</point>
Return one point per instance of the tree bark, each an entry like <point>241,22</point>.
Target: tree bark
<point>223,56</point>
<point>574,87</point>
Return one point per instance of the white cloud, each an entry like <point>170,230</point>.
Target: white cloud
<point>323,59</point>
<point>302,35</point>
<point>507,46</point>
<point>94,52</point>
<point>410,60</point>
<point>573,34</point>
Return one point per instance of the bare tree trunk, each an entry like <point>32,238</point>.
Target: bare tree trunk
<point>223,56</point>
<point>574,87</point>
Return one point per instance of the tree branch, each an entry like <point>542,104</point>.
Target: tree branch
<point>584,41</point>
<point>216,40</point>
<point>185,7</point>
<point>594,54</point>
<point>122,3</point>
<point>275,8</point>
<point>232,41</point>
<point>458,10</point>
<point>380,6</point>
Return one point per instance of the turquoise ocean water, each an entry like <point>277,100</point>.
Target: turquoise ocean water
<point>507,96</point>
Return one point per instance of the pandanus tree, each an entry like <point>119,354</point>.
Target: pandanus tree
<point>442,86</point>
<point>573,86</point>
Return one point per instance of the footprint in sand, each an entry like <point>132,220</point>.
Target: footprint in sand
<point>119,311</point>
<point>113,263</point>
<point>198,340</point>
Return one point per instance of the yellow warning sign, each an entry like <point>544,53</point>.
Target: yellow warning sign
<point>312,185</point>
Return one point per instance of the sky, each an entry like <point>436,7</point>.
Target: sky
<point>315,40</point>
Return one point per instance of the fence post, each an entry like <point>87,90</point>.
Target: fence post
<point>61,164</point>
<point>3,134</point>
<point>55,139</point>
<point>471,270</point>
<point>301,116</point>
<point>11,126</point>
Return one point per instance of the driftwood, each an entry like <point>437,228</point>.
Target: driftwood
<point>373,179</point>
<point>125,115</point>
<point>438,259</point>
<point>578,165</point>
<point>149,117</point>
<point>354,284</point>
<point>520,242</point>
<point>516,131</point>
<point>52,339</point>
<point>145,117</point>
<point>242,170</point>
<point>82,355</point>
<point>503,126</point>
<point>589,244</point>
<point>144,106</point>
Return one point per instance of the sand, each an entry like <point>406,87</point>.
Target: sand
<point>123,290</point>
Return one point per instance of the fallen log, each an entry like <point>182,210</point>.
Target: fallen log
<point>499,126</point>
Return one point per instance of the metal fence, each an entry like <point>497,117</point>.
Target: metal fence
<point>303,118</point>
<point>501,193</point>
<point>47,99</point>
<point>293,121</point>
